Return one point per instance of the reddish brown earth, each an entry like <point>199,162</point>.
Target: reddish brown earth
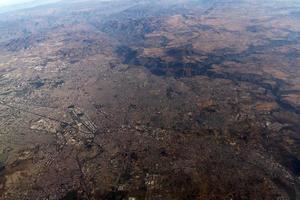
<point>133,100</point>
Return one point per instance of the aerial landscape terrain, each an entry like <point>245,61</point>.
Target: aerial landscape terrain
<point>150,100</point>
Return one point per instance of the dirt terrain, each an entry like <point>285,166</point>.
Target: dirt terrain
<point>150,99</point>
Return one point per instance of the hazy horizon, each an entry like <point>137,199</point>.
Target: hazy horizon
<point>13,2</point>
